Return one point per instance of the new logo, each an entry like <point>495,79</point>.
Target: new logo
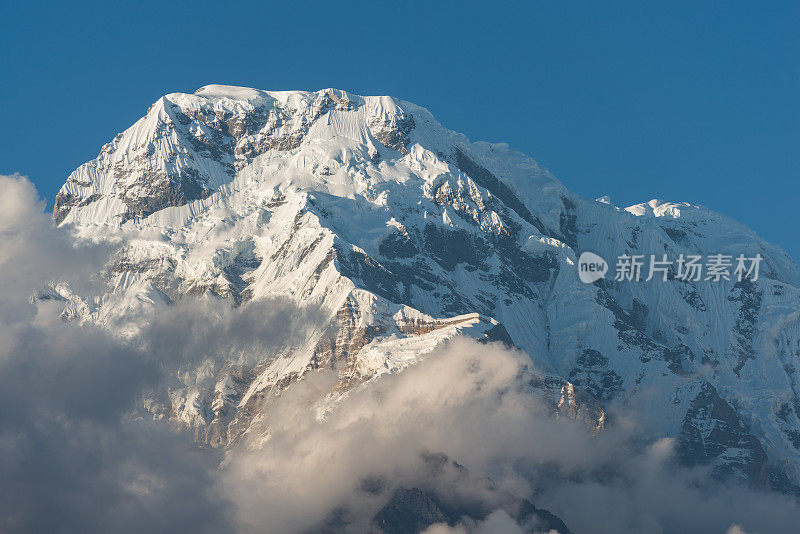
<point>591,267</point>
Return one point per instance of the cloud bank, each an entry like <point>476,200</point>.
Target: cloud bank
<point>472,402</point>
<point>71,459</point>
<point>75,457</point>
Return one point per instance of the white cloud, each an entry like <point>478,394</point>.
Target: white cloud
<point>34,252</point>
<point>70,456</point>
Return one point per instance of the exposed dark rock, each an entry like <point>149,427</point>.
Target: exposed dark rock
<point>677,235</point>
<point>628,326</point>
<point>591,375</point>
<point>451,247</point>
<point>445,499</point>
<point>397,245</point>
<point>244,262</point>
<point>64,202</point>
<point>499,333</point>
<point>568,222</point>
<point>394,132</point>
<point>409,511</point>
<point>481,176</point>
<point>692,297</point>
<point>370,274</point>
<point>163,193</point>
<point>712,434</point>
<point>748,294</point>
<point>679,358</point>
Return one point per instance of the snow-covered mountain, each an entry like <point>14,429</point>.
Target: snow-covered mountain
<point>405,235</point>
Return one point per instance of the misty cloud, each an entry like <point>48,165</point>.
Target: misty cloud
<point>77,456</point>
<point>33,252</point>
<point>71,457</point>
<point>472,403</point>
<point>194,329</point>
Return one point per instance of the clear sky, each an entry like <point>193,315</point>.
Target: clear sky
<point>689,101</point>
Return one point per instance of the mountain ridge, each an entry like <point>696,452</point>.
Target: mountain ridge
<point>407,234</point>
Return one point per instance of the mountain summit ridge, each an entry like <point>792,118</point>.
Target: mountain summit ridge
<point>406,235</point>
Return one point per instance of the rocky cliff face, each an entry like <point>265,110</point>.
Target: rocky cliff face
<point>405,235</point>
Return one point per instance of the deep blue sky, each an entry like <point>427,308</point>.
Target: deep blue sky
<point>686,101</point>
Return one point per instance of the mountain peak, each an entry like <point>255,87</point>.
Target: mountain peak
<point>189,146</point>
<point>406,234</point>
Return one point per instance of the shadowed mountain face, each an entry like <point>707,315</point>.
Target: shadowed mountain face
<point>448,495</point>
<point>406,235</point>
